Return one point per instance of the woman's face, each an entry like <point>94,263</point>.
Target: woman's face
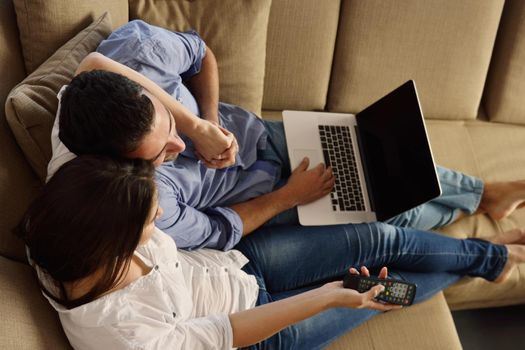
<point>149,227</point>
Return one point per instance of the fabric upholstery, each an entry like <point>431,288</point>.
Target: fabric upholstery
<point>45,25</point>
<point>32,105</point>
<point>505,89</point>
<point>403,329</point>
<point>17,181</point>
<point>299,53</point>
<point>489,151</point>
<point>445,46</point>
<point>27,322</point>
<point>234,30</point>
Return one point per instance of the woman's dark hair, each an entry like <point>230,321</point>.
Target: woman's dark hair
<point>104,113</point>
<point>89,217</point>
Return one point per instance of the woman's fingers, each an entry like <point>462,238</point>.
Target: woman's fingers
<point>364,271</point>
<point>384,272</point>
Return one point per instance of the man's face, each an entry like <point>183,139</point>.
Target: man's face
<point>162,143</point>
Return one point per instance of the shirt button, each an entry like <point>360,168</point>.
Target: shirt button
<point>174,314</point>
<point>177,264</point>
<point>156,267</point>
<point>206,270</point>
<point>225,269</point>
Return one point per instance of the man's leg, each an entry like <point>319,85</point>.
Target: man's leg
<point>290,257</point>
<point>460,194</point>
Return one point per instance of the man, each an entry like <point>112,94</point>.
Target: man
<point>212,195</point>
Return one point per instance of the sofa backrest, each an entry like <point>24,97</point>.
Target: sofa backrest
<point>299,53</point>
<point>17,182</point>
<point>505,89</point>
<point>445,46</point>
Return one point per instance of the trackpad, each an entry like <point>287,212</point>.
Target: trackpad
<point>312,154</point>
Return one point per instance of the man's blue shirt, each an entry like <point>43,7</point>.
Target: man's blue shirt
<point>194,197</point>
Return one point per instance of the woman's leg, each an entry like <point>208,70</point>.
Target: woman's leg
<point>318,331</point>
<point>290,257</point>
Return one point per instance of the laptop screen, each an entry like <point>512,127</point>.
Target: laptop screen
<point>396,154</point>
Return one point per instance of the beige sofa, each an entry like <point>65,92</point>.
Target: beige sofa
<point>336,55</point>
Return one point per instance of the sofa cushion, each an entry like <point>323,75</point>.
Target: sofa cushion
<point>31,106</point>
<point>427,325</point>
<point>234,30</point>
<point>299,53</point>
<point>27,322</point>
<point>45,25</point>
<point>505,89</point>
<point>487,150</point>
<point>445,46</point>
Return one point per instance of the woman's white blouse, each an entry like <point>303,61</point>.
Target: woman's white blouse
<point>183,303</point>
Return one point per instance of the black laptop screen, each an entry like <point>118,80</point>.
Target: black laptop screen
<point>396,154</point>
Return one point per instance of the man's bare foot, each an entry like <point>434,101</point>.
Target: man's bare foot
<point>500,199</point>
<point>516,236</point>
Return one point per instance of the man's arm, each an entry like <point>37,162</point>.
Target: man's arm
<point>303,186</point>
<point>208,138</point>
<point>205,87</point>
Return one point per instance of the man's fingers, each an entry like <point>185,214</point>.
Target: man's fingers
<point>328,174</point>
<point>228,134</point>
<point>305,162</point>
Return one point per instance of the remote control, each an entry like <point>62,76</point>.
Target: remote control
<point>396,291</point>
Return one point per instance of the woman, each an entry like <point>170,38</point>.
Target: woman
<point>117,282</point>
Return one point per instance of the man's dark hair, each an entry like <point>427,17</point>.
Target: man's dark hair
<point>104,113</point>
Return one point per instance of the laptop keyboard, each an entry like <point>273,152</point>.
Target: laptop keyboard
<point>338,153</point>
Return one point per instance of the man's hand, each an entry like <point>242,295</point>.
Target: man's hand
<point>226,158</point>
<point>212,142</point>
<point>305,186</point>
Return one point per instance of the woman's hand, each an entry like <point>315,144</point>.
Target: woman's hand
<point>305,186</point>
<point>214,145</point>
<point>345,297</point>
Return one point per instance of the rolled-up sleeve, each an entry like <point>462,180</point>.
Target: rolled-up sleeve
<point>156,52</point>
<point>214,227</point>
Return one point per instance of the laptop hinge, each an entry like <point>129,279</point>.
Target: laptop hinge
<point>368,181</point>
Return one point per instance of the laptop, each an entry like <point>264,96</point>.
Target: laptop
<point>381,159</point>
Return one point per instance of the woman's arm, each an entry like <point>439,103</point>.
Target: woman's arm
<point>209,140</point>
<point>255,325</point>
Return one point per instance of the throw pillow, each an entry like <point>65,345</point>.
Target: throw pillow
<point>31,106</point>
<point>45,25</point>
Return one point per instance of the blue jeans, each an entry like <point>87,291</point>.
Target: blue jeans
<point>289,259</point>
<point>460,192</point>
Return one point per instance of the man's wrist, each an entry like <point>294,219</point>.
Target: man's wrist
<point>211,117</point>
<point>286,198</point>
